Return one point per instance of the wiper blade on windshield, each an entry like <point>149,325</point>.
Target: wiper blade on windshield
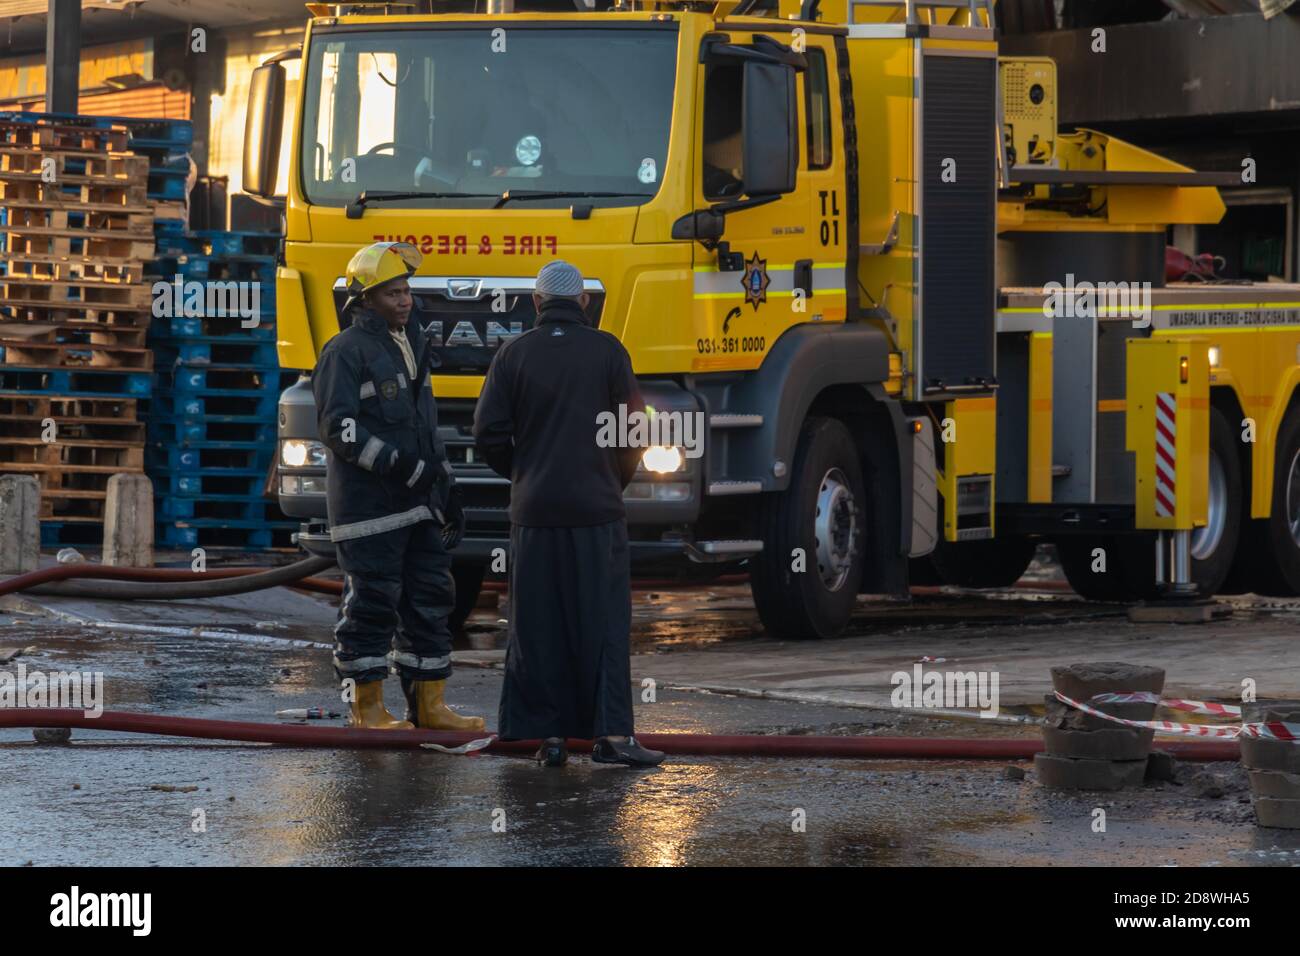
<point>357,207</point>
<point>511,194</point>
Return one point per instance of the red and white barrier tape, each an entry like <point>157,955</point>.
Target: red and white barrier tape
<point>1272,730</point>
<point>1173,703</point>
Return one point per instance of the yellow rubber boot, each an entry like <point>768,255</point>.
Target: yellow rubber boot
<point>425,706</point>
<point>368,709</point>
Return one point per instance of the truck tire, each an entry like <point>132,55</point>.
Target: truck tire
<point>469,582</point>
<point>995,563</point>
<point>1271,546</point>
<point>1077,554</point>
<point>823,513</point>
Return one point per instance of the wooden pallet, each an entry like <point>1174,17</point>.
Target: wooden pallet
<point>105,244</point>
<point>86,220</point>
<point>108,195</point>
<point>71,410</point>
<point>12,429</point>
<point>87,293</point>
<point>72,355</point>
<point>44,135</point>
<point>49,268</point>
<point>85,455</point>
<point>21,165</point>
<point>170,209</point>
<point>29,327</point>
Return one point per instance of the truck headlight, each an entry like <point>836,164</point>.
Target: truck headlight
<point>302,453</point>
<point>663,459</point>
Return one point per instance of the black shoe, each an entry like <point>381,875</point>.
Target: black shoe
<point>552,752</point>
<point>628,752</point>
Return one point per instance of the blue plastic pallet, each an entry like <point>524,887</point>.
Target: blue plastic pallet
<point>174,133</point>
<point>198,329</point>
<point>87,382</point>
<point>218,534</point>
<point>240,243</point>
<point>56,534</point>
<point>226,350</point>
<point>201,484</point>
<point>163,184</point>
<point>219,380</point>
<point>214,458</point>
<point>231,407</point>
<point>258,433</point>
<point>224,508</point>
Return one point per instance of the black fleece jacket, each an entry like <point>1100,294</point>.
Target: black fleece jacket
<point>538,418</point>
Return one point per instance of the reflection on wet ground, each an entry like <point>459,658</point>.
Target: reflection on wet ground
<point>94,802</point>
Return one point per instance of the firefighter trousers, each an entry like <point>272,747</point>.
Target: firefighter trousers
<point>397,595</point>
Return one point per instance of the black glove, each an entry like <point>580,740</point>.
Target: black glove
<point>453,512</point>
<point>414,473</point>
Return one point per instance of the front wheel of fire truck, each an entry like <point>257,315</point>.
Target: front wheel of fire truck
<point>806,579</point>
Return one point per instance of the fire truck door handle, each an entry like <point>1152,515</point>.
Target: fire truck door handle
<point>803,277</point>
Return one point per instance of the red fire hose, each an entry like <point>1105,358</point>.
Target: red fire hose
<point>699,745</point>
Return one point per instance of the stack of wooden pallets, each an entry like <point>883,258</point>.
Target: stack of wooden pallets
<point>76,229</point>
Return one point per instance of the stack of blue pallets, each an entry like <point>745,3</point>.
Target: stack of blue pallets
<point>212,417</point>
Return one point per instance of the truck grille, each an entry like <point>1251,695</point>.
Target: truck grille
<point>471,317</point>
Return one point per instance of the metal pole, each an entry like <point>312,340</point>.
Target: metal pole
<point>1183,563</point>
<point>1162,549</point>
<point>62,56</point>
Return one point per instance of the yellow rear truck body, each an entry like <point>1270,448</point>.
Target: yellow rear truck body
<point>848,236</point>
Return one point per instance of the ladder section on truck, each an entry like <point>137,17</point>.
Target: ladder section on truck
<point>930,179</point>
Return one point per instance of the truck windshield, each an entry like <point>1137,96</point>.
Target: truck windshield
<point>475,112</point>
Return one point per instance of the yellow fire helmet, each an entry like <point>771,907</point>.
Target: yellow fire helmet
<point>379,263</point>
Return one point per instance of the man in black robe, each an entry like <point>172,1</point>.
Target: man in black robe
<point>568,666</point>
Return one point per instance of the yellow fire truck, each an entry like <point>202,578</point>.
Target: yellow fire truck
<point>926,328</point>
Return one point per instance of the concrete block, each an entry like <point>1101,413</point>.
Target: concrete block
<point>1081,681</point>
<point>1066,717</point>
<point>128,522</point>
<point>1266,754</point>
<point>1283,814</point>
<point>20,524</point>
<point>1119,743</point>
<point>1287,711</point>
<point>1178,612</point>
<point>1069,773</point>
<point>1161,765</point>
<point>1272,783</point>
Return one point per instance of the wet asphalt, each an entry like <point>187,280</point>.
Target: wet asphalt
<point>130,800</point>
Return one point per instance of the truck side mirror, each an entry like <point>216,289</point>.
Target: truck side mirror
<point>262,129</point>
<point>771,134</point>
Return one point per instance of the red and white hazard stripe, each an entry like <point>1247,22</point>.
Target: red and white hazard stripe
<point>1272,730</point>
<point>1166,416</point>
<point>1206,707</point>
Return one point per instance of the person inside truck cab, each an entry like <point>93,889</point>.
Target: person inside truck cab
<point>394,509</point>
<point>723,156</point>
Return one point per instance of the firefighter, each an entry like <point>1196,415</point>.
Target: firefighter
<point>394,509</point>
<point>568,665</point>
